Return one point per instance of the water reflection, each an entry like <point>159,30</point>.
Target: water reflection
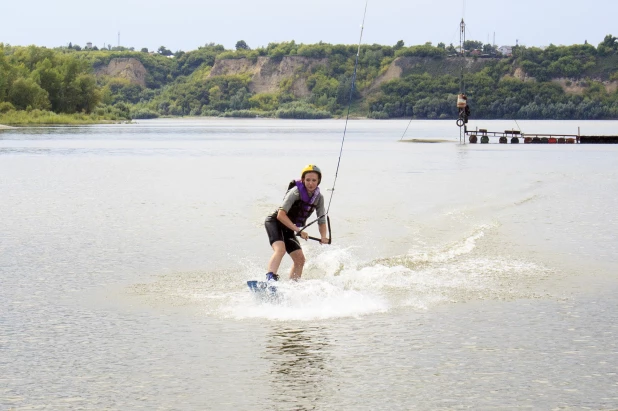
<point>300,368</point>
<point>462,157</point>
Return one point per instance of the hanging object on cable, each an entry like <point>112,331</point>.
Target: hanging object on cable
<point>463,109</point>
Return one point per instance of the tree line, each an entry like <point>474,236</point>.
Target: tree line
<point>62,80</point>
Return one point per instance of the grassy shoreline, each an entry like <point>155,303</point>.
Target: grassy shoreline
<point>22,118</point>
<point>41,118</point>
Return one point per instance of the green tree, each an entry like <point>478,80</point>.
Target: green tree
<point>163,51</point>
<point>5,72</point>
<point>489,49</point>
<point>88,94</point>
<point>265,101</point>
<point>610,42</point>
<point>242,45</point>
<point>470,45</point>
<point>278,50</point>
<point>608,45</point>
<point>50,79</point>
<point>25,93</point>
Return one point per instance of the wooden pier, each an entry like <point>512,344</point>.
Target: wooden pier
<point>483,136</point>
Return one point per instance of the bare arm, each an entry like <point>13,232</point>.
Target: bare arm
<point>322,228</point>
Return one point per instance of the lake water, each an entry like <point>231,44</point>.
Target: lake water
<point>460,276</point>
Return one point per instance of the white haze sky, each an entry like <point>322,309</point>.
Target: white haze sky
<point>187,24</point>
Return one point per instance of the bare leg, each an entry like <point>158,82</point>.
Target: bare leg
<point>298,259</point>
<point>275,259</point>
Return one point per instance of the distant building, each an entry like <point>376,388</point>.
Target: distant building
<point>506,50</point>
<point>89,45</point>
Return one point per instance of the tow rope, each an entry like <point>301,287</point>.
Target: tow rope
<point>332,190</point>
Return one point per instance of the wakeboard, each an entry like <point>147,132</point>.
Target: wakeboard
<point>264,290</point>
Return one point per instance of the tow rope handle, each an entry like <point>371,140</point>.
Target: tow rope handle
<point>330,236</point>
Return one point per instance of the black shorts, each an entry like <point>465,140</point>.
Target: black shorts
<point>278,232</point>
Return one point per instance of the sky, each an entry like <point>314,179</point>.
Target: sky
<point>187,24</point>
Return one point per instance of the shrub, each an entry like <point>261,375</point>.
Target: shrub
<point>6,106</point>
<point>378,115</point>
<point>245,114</point>
<point>144,114</point>
<point>301,110</point>
<point>210,113</point>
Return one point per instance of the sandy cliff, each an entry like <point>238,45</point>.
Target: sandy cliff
<point>267,73</point>
<point>128,68</point>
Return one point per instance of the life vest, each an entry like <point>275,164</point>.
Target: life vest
<point>303,207</point>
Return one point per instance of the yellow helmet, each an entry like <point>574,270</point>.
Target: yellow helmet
<point>311,168</point>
